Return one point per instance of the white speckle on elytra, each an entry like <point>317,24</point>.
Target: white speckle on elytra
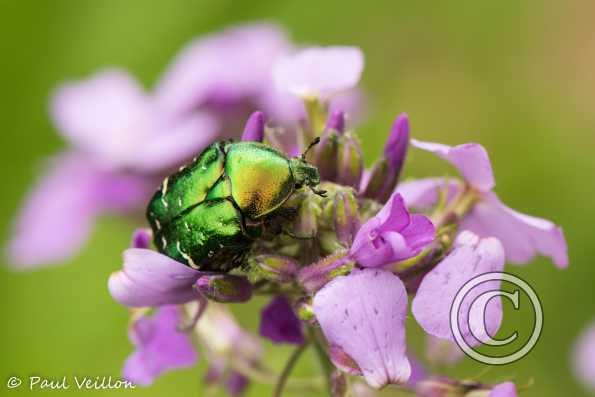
<point>186,256</point>
<point>163,242</point>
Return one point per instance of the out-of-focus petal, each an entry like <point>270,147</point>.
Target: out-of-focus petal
<point>523,236</point>
<point>59,213</point>
<point>431,306</point>
<point>319,71</point>
<point>160,347</point>
<point>171,143</point>
<point>422,194</point>
<point>584,358</point>
<point>442,351</point>
<point>363,314</point>
<point>471,159</point>
<point>507,389</point>
<point>149,278</point>
<point>279,323</point>
<point>103,115</point>
<point>226,66</point>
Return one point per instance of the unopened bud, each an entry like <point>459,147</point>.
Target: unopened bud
<point>315,276</point>
<point>225,288</point>
<point>350,162</point>
<point>336,121</point>
<point>326,154</point>
<point>338,384</point>
<point>439,387</point>
<point>254,129</point>
<point>276,268</point>
<point>384,175</point>
<point>305,310</point>
<point>346,217</point>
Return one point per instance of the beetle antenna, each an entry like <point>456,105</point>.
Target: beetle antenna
<point>310,146</point>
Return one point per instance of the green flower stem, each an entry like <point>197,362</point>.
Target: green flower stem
<point>323,360</point>
<point>265,376</point>
<point>283,378</point>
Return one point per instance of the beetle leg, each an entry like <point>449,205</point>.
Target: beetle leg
<point>321,193</point>
<point>297,237</point>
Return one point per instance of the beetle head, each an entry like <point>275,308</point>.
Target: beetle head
<point>304,173</point>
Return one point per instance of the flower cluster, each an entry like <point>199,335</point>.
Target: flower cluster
<point>354,257</point>
<point>122,140</point>
<point>342,267</point>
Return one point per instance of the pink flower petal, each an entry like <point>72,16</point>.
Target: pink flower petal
<point>104,116</point>
<point>522,236</point>
<point>471,159</point>
<point>422,194</point>
<point>319,71</point>
<point>391,235</point>
<point>160,347</point>
<point>507,389</point>
<point>584,358</point>
<point>363,314</point>
<point>173,143</point>
<point>209,67</point>
<point>59,213</point>
<point>149,278</point>
<point>431,306</point>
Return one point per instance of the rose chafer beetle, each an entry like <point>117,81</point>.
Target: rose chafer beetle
<point>208,214</point>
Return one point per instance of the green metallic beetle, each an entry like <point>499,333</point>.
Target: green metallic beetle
<point>208,214</point>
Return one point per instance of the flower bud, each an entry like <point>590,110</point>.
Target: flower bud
<point>439,387</point>
<point>326,154</point>
<point>350,162</point>
<point>336,121</point>
<point>306,224</point>
<point>346,217</point>
<point>141,238</point>
<point>315,276</point>
<point>304,310</point>
<point>343,361</point>
<point>338,384</point>
<point>384,175</point>
<point>276,268</point>
<point>225,288</point>
<point>254,129</point>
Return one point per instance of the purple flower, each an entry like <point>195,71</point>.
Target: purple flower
<point>224,69</point>
<point>279,323</point>
<point>431,306</point>
<point>523,236</point>
<point>118,139</point>
<point>319,72</point>
<point>160,346</point>
<point>362,316</point>
<point>149,278</point>
<point>59,213</point>
<point>391,235</point>
<point>584,358</point>
<point>113,121</point>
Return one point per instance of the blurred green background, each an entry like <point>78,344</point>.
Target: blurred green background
<point>517,76</point>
